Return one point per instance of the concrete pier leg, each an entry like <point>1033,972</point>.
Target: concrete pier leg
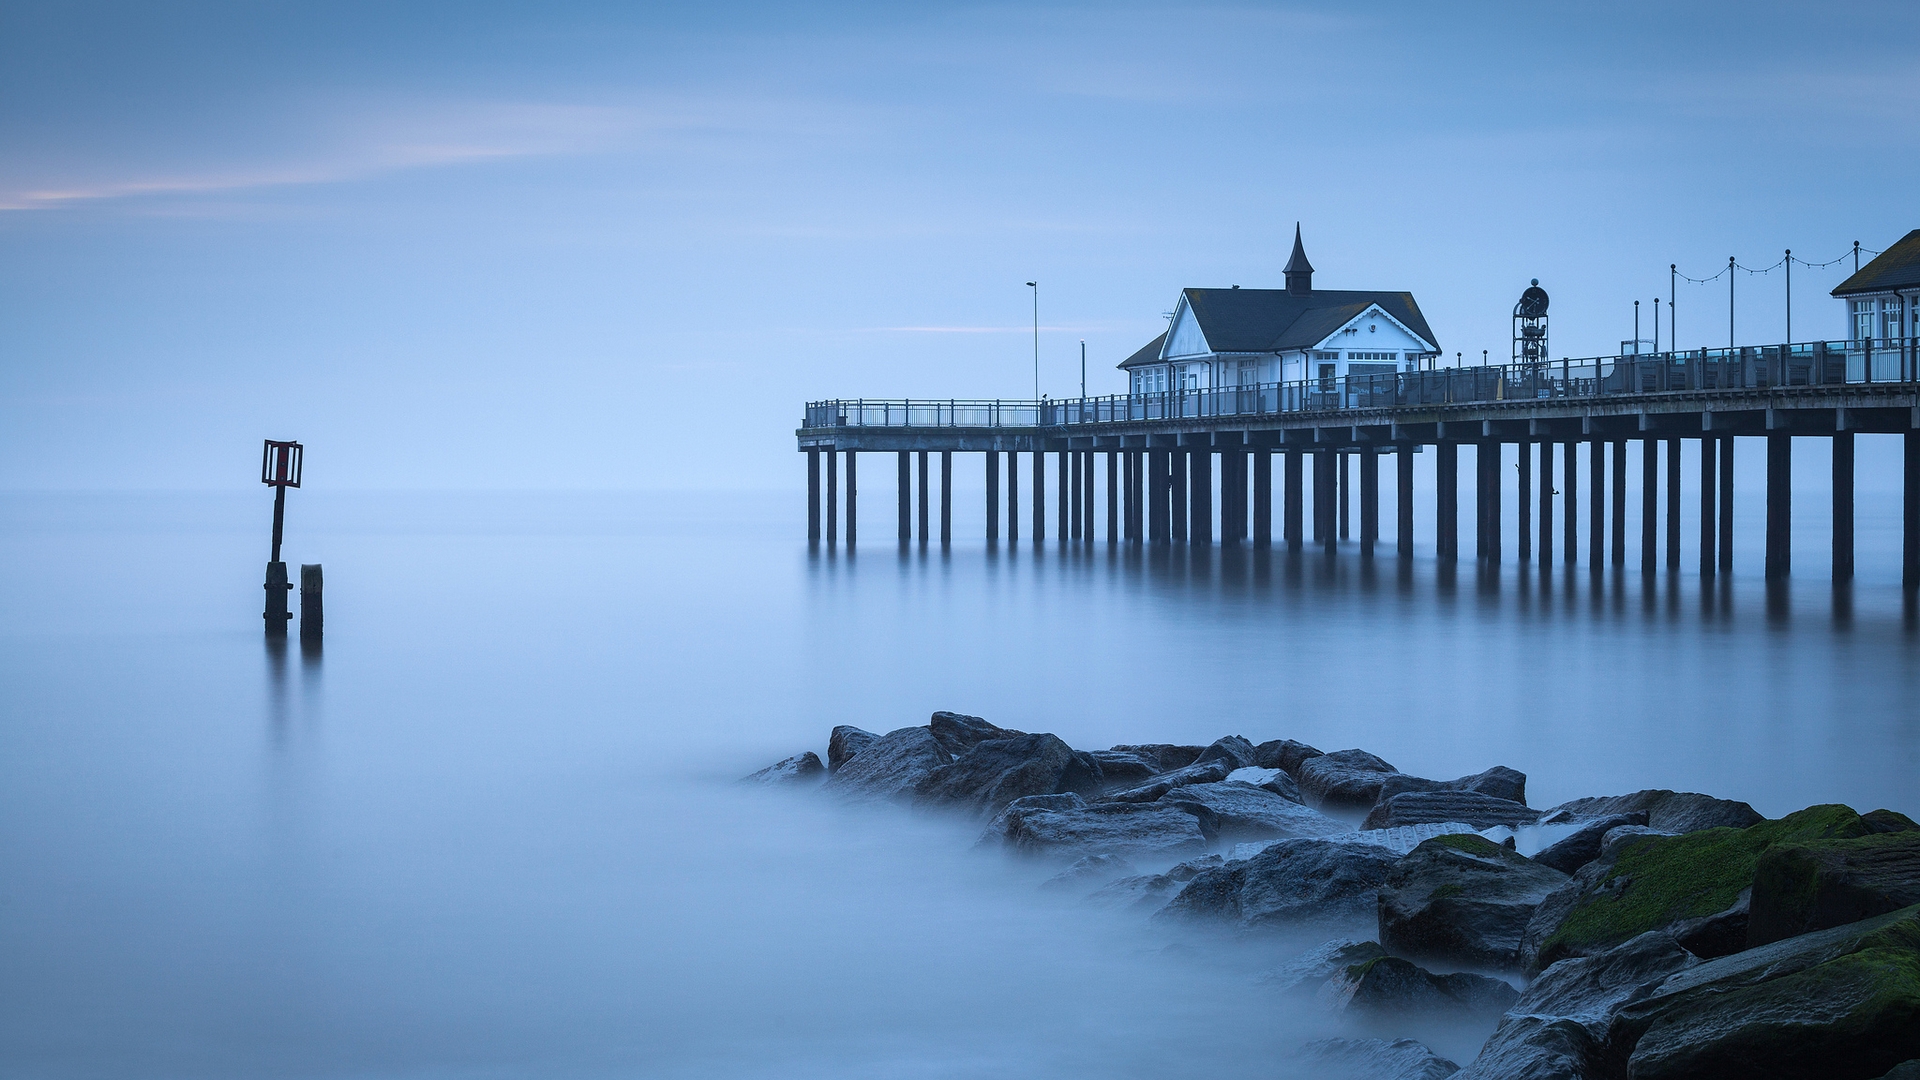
<point>1369,501</point>
<point>1346,491</point>
<point>946,500</point>
<point>993,494</point>
<point>1200,497</point>
<point>1843,506</point>
<point>924,497</point>
<point>1263,498</point>
<point>1039,494</point>
<point>1480,502</point>
<point>1649,505</point>
<point>1137,487</point>
<point>1403,499</point>
<point>1523,510</point>
<point>1673,504</point>
<point>1293,479</point>
<point>1495,450</point>
<point>1779,506</point>
<point>833,496</point>
<point>853,498</point>
<point>1726,505</point>
<point>1546,504</point>
<point>1619,552</point>
<point>1160,496</point>
<point>1013,495</point>
<point>1068,499</point>
<point>1113,496</point>
<point>313,618</point>
<point>813,495</point>
<point>1088,465</point>
<point>1074,524</point>
<point>1177,513</point>
<point>276,614</point>
<point>1597,506</point>
<point>1910,512</point>
<point>1570,499</point>
<point>1709,475</point>
<point>906,497</point>
<point>1324,497</point>
<point>1446,501</point>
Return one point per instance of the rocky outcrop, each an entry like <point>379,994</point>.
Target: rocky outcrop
<point>1285,755</point>
<point>1463,901</point>
<point>1236,811</point>
<point>1344,778</point>
<point>1124,768</point>
<point>1165,756</point>
<point>1839,1002</point>
<point>1206,772</point>
<point>1147,893</point>
<point>1906,1070</point>
<point>1089,870</point>
<point>1136,829</point>
<point>845,742</point>
<point>1305,973</point>
<point>1428,807</point>
<point>1234,750</point>
<point>1498,782</point>
<point>1800,888</point>
<point>1398,990</point>
<point>1374,1059</point>
<point>1270,779</point>
<point>1291,883</point>
<point>1668,811</point>
<point>889,767</point>
<point>958,733</point>
<point>796,769</point>
<point>994,772</point>
<point>1583,845</point>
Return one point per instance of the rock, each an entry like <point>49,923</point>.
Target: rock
<point>994,772</point>
<point>1389,987</point>
<point>1427,807</point>
<point>1198,773</point>
<point>1270,779</point>
<point>1404,838</point>
<point>1620,834</point>
<point>1306,972</point>
<point>958,733</point>
<point>1089,870</point>
<point>1123,768</point>
<point>1583,845</point>
<point>1888,821</point>
<point>1718,933</point>
<point>1285,755</point>
<point>1293,882</point>
<point>889,767</point>
<point>996,829</point>
<point>1462,900</point>
<point>1242,811</point>
<point>1165,756</point>
<point>1657,882</point>
<point>1110,828</point>
<point>797,768</point>
<point>1668,811</point>
<point>1838,1002</point>
<point>1234,750</point>
<point>1500,782</point>
<point>1800,888</point>
<point>1558,1028</point>
<point>1906,1070</point>
<point>1148,893</point>
<point>1374,1059</point>
<point>845,742</point>
<point>1349,778</point>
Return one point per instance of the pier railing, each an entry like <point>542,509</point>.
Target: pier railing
<point>1754,367</point>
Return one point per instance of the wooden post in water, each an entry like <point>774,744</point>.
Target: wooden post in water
<point>1673,504</point>
<point>1570,500</point>
<point>1619,552</point>
<point>1597,506</point>
<point>1324,497</point>
<point>1403,498</point>
<point>1200,496</point>
<point>921,468</point>
<point>1546,504</point>
<point>1779,506</point>
<point>1263,497</point>
<point>1369,501</point>
<point>1293,478</point>
<point>1346,490</point>
<point>853,499</point>
<point>1523,510</point>
<point>1726,504</point>
<point>1159,496</point>
<point>1495,452</point>
<point>1113,496</point>
<point>946,499</point>
<point>1446,501</point>
<point>1649,505</point>
<point>1069,496</point>
<point>1177,460</point>
<point>1843,506</point>
<point>312,614</point>
<point>904,489</point>
<point>1039,493</point>
<point>1013,495</point>
<point>1708,477</point>
<point>993,494</point>
<point>833,495</point>
<point>813,495</point>
<point>1130,492</point>
<point>1910,511</point>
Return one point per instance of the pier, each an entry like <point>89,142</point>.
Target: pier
<point>1164,450</point>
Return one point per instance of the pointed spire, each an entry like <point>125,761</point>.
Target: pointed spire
<point>1299,272</point>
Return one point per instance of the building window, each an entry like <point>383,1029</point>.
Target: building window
<point>1863,317</point>
<point>1373,356</point>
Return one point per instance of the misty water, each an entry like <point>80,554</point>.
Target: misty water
<point>493,830</point>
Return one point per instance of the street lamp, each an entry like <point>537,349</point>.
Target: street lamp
<point>1035,286</point>
<point>279,469</point>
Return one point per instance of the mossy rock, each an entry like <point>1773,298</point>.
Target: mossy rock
<point>1802,887</point>
<point>1655,882</point>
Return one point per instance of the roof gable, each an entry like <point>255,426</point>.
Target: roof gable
<point>1185,336</point>
<point>1375,328</point>
<point>1274,320</point>
<point>1145,354</point>
<point>1898,267</point>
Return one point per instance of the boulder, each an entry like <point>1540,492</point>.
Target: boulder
<point>1234,750</point>
<point>1906,1070</point>
<point>1165,756</point>
<point>1583,845</point>
<point>845,742</point>
<point>1104,828</point>
<point>1690,884</point>
<point>1291,883</point>
<point>1349,778</point>
<point>996,829</point>
<point>1285,755</point>
<point>1668,811</point>
<point>1558,1028</point>
<point>1124,768</point>
<point>1271,779</point>
<point>1395,989</point>
<point>1428,807</point>
<point>1244,812</point>
<point>799,767</point>
<point>889,767</point>
<point>1305,973</point>
<point>1462,900</point>
<point>997,771</point>
<point>1838,1002</point>
<point>1198,773</point>
<point>1500,782</point>
<point>1374,1059</point>
<point>1089,870</point>
<point>1800,888</point>
<point>1147,893</point>
<point>959,733</point>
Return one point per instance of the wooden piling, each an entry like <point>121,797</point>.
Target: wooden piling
<point>277,586</point>
<point>903,485</point>
<point>833,495</point>
<point>1160,496</point>
<point>1263,497</point>
<point>993,494</point>
<point>946,500</point>
<point>1570,499</point>
<point>1446,501</point>
<point>1346,489</point>
<point>1291,499</point>
<point>1403,499</point>
<point>1673,504</point>
<point>1649,505</point>
<point>1039,494</point>
<point>1130,497</point>
<point>1069,497</point>
<point>813,495</point>
<point>1523,509</point>
<point>1324,498</point>
<point>1177,513</point>
<point>1726,504</point>
<point>1369,501</point>
<point>1200,496</point>
<point>1013,495</point>
<point>1619,552</point>
<point>1546,504</point>
<point>1779,506</point>
<point>1493,500</point>
<point>1843,506</point>
<point>853,498</point>
<point>1910,512</point>
<point>1709,474</point>
<point>923,500</point>
<point>312,611</point>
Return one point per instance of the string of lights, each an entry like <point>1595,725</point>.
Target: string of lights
<point>1783,261</point>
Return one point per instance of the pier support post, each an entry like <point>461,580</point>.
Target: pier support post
<point>1726,504</point>
<point>1263,497</point>
<point>1446,501</point>
<point>313,617</point>
<point>1039,493</point>
<point>1293,478</point>
<point>1843,506</point>
<point>1200,496</point>
<point>1570,499</point>
<point>1673,504</point>
<point>1597,506</point>
<point>946,500</point>
<point>1073,489</point>
<point>906,497</point>
<point>1369,501</point>
<point>1709,474</point>
<point>1160,496</point>
<point>993,494</point>
<point>833,495</point>
<point>1178,512</point>
<point>1403,499</point>
<point>1479,502</point>
<point>1523,508</point>
<point>1619,552</point>
<point>1546,504</point>
<point>1779,506</point>
<point>1137,488</point>
<point>923,496</point>
<point>1113,496</point>
<point>853,498</point>
<point>1649,505</point>
<point>1496,453</point>
<point>1324,497</point>
<point>1910,512</point>
<point>1067,494</point>
<point>1346,490</point>
<point>1013,495</point>
<point>813,495</point>
<point>1088,467</point>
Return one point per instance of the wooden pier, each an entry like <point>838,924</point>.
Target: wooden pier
<point>1164,450</point>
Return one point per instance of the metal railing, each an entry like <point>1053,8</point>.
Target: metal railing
<point>1754,367</point>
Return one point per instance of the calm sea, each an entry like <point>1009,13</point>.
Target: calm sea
<point>490,829</point>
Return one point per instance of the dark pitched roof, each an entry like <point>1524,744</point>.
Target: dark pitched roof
<point>1273,320</point>
<point>1898,267</point>
<point>1145,354</point>
<point>1298,263</point>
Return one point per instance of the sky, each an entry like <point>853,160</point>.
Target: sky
<point>618,246</point>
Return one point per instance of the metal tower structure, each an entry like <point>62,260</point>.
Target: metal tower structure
<point>1530,326</point>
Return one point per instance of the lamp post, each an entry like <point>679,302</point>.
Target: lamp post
<point>1035,286</point>
<point>1673,333</point>
<point>1656,326</point>
<point>1636,328</point>
<point>1083,369</point>
<point>279,469</point>
<point>1789,262</point>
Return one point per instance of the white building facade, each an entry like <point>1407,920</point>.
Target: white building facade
<point>1883,297</point>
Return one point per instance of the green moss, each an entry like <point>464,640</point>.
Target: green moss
<point>1356,972</point>
<point>1470,843</point>
<point>1445,891</point>
<point>1661,880</point>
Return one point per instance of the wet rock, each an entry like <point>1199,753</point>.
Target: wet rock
<point>1392,988</point>
<point>1165,756</point>
<point>1243,812</point>
<point>1583,846</point>
<point>1291,883</point>
<point>1499,782</point>
<point>889,767</point>
<point>1234,750</point>
<point>1719,933</point>
<point>845,742</point>
<point>958,733</point>
<point>1269,779</point>
<point>1285,755</point>
<point>798,768</point>
<point>997,771</point>
<point>996,829</point>
<point>1147,893</point>
<point>1558,1028</point>
<point>1800,888</point>
<point>1374,1059</point>
<point>1668,811</point>
<point>1462,900</point>
<point>1906,1070</point>
<point>1124,768</point>
<point>1348,778</point>
<point>1427,807</point>
<point>1838,1002</point>
<point>1198,773</point>
<point>1305,973</point>
<point>1113,828</point>
<point>1089,870</point>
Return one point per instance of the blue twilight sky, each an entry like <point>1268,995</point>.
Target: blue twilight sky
<point>617,245</point>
